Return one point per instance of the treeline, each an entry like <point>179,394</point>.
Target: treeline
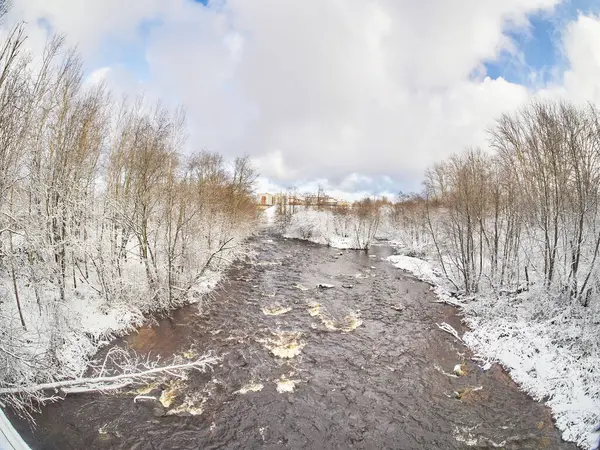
<point>355,224</point>
<point>97,204</point>
<point>359,221</point>
<point>525,214</point>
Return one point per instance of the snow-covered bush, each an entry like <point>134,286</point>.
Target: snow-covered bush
<point>353,227</point>
<point>550,349</point>
<point>404,224</point>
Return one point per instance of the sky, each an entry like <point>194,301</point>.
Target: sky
<point>359,96</point>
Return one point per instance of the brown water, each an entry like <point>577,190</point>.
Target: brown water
<point>366,375</point>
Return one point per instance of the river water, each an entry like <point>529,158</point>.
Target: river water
<point>359,365</point>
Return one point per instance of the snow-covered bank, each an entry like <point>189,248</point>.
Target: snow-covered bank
<point>318,227</point>
<point>548,344</point>
<point>344,231</point>
<point>62,336</point>
<point>551,352</point>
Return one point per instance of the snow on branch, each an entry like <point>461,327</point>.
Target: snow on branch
<point>113,382</point>
<point>449,329</point>
<point>132,370</point>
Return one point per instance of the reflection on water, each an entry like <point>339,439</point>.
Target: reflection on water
<point>303,367</point>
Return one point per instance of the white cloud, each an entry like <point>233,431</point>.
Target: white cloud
<point>99,75</point>
<point>581,38</point>
<point>86,23</point>
<point>322,90</point>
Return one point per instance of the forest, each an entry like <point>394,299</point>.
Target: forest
<point>105,215</point>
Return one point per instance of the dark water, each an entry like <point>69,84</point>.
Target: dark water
<point>367,375</point>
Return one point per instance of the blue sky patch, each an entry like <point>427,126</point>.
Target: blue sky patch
<point>538,47</point>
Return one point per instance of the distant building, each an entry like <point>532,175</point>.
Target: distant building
<point>323,201</point>
<point>267,199</point>
<point>294,200</point>
<point>329,201</point>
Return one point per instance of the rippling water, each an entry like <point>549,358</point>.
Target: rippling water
<point>358,365</point>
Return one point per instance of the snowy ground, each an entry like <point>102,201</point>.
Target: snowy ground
<point>323,227</point>
<point>548,346</point>
<point>62,337</point>
<point>270,215</point>
<point>546,353</point>
<point>86,322</point>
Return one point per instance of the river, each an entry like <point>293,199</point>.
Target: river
<point>361,365</point>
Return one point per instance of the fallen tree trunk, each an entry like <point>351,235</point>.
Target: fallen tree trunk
<point>101,383</point>
<point>100,388</point>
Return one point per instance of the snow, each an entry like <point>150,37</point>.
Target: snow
<point>419,268</point>
<point>63,336</point>
<point>326,228</point>
<point>546,356</point>
<point>270,214</point>
<point>548,345</point>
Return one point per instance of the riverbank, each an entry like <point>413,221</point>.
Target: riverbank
<point>543,351</point>
<point>358,364</point>
<point>47,351</point>
<point>548,346</point>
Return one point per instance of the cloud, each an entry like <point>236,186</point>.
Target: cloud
<point>581,39</point>
<point>340,87</point>
<point>86,23</point>
<point>328,90</point>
